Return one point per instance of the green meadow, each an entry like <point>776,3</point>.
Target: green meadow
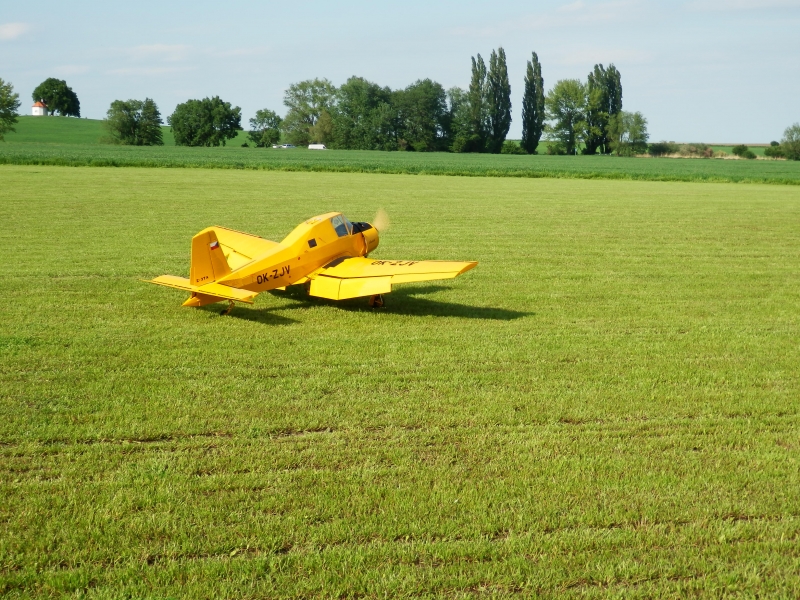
<point>606,406</point>
<point>57,141</point>
<point>757,150</point>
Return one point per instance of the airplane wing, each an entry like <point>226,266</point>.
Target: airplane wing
<point>240,248</point>
<point>359,276</point>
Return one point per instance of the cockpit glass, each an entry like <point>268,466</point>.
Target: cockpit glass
<point>348,224</point>
<point>338,223</point>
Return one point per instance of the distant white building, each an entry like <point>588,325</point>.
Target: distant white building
<point>39,109</point>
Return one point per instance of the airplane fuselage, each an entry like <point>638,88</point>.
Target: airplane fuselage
<point>311,245</point>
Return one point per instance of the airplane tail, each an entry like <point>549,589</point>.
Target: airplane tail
<point>208,260</point>
<point>208,265</point>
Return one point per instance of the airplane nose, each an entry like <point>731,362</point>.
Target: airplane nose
<point>370,233</point>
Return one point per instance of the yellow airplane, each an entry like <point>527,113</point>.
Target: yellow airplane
<point>327,253</point>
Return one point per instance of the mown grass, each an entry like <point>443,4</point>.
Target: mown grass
<point>607,405</point>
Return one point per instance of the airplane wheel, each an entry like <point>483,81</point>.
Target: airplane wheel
<point>376,301</point>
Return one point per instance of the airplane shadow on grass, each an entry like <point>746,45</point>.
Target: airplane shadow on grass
<point>404,301</point>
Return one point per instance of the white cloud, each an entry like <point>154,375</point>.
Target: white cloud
<point>584,56</point>
<point>149,70</point>
<point>11,31</point>
<point>566,15</point>
<point>737,5</point>
<point>70,69</point>
<point>573,6</point>
<point>162,52</point>
<point>233,52</point>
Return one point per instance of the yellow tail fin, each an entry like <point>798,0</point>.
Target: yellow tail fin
<point>208,260</point>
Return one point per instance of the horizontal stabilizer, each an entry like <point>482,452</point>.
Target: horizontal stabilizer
<point>208,291</point>
<point>179,283</point>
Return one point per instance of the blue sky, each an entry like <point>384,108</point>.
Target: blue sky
<point>699,70</point>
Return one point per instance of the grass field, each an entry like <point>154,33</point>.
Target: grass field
<point>757,150</point>
<point>606,406</point>
<point>58,130</point>
<point>76,151</point>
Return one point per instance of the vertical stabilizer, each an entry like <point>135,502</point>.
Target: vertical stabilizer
<point>208,260</point>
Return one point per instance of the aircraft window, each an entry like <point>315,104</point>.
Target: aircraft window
<point>339,226</point>
<point>348,224</point>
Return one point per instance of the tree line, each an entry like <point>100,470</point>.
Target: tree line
<point>572,117</point>
<point>422,117</point>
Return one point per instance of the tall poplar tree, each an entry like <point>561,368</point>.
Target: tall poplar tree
<point>150,124</point>
<point>533,106</point>
<point>478,111</point>
<point>603,102</point>
<point>597,110</point>
<point>498,102</point>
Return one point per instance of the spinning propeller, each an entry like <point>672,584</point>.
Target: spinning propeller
<point>381,221</point>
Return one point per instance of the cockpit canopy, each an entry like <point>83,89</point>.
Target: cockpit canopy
<point>344,227</point>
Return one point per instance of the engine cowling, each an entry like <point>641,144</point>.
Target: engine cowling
<point>371,236</point>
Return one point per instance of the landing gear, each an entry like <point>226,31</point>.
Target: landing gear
<point>228,310</point>
<point>376,301</point>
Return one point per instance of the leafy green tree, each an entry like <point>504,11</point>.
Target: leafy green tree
<point>774,150</point>
<point>265,128</point>
<point>739,150</point>
<point>122,122</point>
<point>134,123</point>
<point>9,103</point>
<point>486,117</point>
<point>498,101</point>
<point>614,95</point>
<point>423,113</point>
<point>790,144</point>
<point>206,122</point>
<point>150,124</point>
<point>597,110</point>
<point>566,109</point>
<point>58,97</point>
<point>512,147</point>
<point>306,101</point>
<point>662,148</point>
<point>322,131</point>
<point>628,133</point>
<point>363,117</point>
<point>477,132</point>
<point>459,113</point>
<point>533,106</point>
<point>460,118</point>
<point>604,100</point>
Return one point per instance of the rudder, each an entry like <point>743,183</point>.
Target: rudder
<point>208,261</point>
